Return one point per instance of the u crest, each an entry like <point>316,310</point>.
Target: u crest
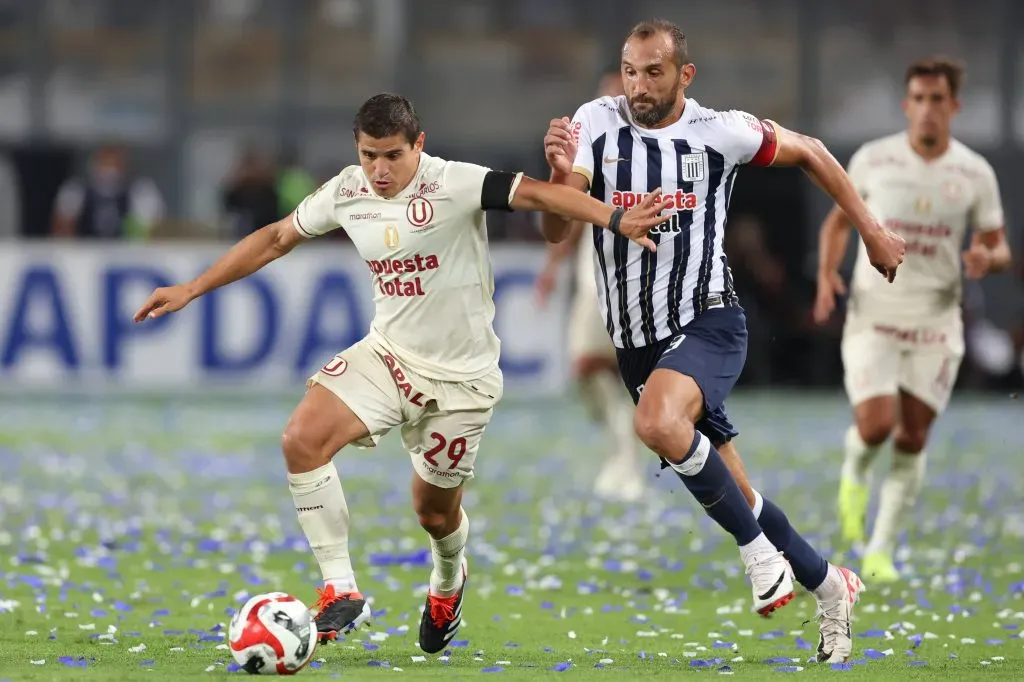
<point>419,212</point>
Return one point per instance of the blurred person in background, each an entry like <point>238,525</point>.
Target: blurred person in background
<point>902,344</point>
<point>10,199</point>
<point>594,366</point>
<point>108,202</point>
<point>294,183</point>
<point>249,195</point>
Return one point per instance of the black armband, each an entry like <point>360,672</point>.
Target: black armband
<point>613,222</point>
<point>497,191</point>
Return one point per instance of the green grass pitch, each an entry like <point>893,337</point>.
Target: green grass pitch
<point>132,528</point>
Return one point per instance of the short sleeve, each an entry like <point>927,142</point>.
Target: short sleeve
<point>582,132</point>
<point>314,216</point>
<point>748,139</point>
<point>465,184</point>
<point>857,169</point>
<point>987,212</point>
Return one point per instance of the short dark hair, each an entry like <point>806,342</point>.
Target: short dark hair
<point>938,66</point>
<point>652,27</point>
<point>385,115</point>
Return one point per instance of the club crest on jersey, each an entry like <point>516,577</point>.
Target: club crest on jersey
<point>923,205</point>
<point>391,237</point>
<point>419,212</point>
<point>692,167</point>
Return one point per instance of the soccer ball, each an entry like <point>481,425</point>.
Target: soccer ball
<point>272,634</point>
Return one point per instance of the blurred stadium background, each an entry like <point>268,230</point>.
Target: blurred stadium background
<point>227,111</point>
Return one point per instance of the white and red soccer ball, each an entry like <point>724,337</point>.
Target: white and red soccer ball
<point>272,634</point>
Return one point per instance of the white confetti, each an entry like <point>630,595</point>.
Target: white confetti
<point>967,640</point>
<point>137,649</point>
<point>39,662</point>
<point>87,626</point>
<point>419,659</point>
<point>211,668</point>
<point>606,661</point>
<point>572,634</point>
<point>31,633</point>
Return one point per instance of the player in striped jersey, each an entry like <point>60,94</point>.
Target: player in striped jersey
<point>672,313</point>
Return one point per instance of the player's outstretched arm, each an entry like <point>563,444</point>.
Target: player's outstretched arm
<point>833,238</point>
<point>885,249</point>
<point>241,260</point>
<point>634,224</point>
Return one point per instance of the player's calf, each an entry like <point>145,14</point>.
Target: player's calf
<point>698,464</point>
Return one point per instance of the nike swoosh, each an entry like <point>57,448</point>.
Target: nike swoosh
<point>773,588</point>
<point>608,160</point>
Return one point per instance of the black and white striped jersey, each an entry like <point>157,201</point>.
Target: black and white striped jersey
<point>646,297</point>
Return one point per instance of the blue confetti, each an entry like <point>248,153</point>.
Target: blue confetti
<point>874,654</point>
<point>561,667</point>
<point>495,669</point>
<point>787,669</point>
<point>842,666</point>
<point>146,664</point>
<point>918,664</point>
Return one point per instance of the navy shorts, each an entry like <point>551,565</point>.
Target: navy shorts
<point>711,349</point>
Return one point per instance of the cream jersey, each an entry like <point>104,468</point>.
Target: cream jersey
<point>932,205</point>
<point>426,250</point>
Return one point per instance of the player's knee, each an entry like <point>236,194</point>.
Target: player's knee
<point>875,432</point>
<point>910,441</point>
<point>434,522</point>
<point>301,450</point>
<point>666,434</point>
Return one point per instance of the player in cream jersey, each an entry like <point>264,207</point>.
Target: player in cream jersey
<point>902,343</point>
<point>426,250</point>
<point>429,363</point>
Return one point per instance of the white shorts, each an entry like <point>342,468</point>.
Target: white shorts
<point>588,336</point>
<point>442,421</point>
<point>882,359</point>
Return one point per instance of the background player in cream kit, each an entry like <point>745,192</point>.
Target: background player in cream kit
<point>429,363</point>
<point>903,343</point>
<point>594,365</point>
